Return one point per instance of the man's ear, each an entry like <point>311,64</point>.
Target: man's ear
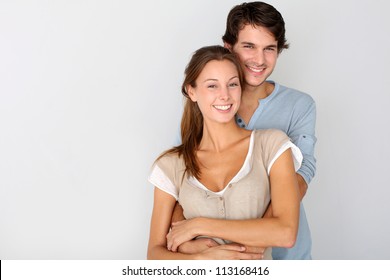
<point>227,46</point>
<point>191,93</point>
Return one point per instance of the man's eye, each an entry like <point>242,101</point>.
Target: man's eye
<point>211,86</point>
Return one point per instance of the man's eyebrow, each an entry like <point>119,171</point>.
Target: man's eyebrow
<point>272,46</point>
<point>247,43</point>
<point>252,44</point>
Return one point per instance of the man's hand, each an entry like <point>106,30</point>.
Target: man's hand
<point>228,252</point>
<point>197,245</point>
<point>254,250</point>
<point>202,244</point>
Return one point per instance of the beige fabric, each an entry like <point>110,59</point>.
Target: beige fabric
<point>247,198</point>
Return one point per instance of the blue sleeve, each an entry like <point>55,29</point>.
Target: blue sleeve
<point>302,134</point>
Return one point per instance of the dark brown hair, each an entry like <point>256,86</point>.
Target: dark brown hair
<point>256,14</point>
<point>192,119</point>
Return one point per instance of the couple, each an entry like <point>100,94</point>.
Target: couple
<point>240,189</point>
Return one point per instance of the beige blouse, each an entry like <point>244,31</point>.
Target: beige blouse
<point>245,197</point>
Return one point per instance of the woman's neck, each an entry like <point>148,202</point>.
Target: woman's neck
<point>219,137</point>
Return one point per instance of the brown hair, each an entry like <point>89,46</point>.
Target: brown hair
<point>192,119</point>
<point>256,14</point>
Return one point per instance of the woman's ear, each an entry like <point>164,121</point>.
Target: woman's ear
<point>191,93</point>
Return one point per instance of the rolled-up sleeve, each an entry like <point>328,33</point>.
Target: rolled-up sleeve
<point>303,136</point>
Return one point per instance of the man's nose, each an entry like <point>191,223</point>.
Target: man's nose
<point>259,57</point>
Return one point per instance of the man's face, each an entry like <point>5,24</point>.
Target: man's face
<point>257,50</point>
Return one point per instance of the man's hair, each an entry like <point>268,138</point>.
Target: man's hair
<point>255,14</point>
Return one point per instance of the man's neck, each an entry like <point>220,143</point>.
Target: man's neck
<point>259,92</point>
<point>250,99</point>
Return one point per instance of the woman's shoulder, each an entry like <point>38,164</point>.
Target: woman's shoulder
<point>267,144</point>
<point>168,160</point>
<point>171,165</point>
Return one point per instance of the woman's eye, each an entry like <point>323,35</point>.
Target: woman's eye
<point>233,85</point>
<point>211,86</point>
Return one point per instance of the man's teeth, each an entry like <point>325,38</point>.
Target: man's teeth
<point>257,70</point>
<point>222,107</point>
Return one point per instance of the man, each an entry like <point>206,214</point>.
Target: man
<point>255,32</point>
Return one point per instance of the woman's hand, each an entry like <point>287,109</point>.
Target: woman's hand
<point>181,232</point>
<point>228,252</point>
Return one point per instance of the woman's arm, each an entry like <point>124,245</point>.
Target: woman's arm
<point>159,227</point>
<point>279,230</point>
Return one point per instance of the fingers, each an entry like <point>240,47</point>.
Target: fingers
<point>230,252</point>
<point>169,241</point>
<point>211,242</point>
<point>255,253</point>
<point>171,246</point>
<point>172,242</point>
<point>233,247</point>
<point>197,245</point>
<point>255,250</point>
<point>247,256</point>
<point>177,223</point>
<point>251,249</point>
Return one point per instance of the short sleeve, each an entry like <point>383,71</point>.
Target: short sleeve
<point>296,153</point>
<point>160,180</point>
<point>270,144</point>
<point>167,174</point>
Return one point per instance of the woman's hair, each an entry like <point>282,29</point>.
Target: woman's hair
<point>192,119</point>
<point>256,14</point>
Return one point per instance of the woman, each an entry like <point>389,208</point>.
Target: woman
<point>223,176</point>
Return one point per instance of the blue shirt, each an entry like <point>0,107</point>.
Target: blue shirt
<point>293,112</point>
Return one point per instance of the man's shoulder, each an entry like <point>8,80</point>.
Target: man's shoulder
<point>294,94</point>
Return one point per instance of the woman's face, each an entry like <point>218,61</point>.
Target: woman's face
<point>217,91</point>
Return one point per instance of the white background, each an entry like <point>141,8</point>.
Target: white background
<point>90,95</point>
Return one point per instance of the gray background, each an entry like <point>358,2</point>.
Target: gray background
<point>90,95</point>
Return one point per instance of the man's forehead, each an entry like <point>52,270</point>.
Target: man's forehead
<point>254,33</point>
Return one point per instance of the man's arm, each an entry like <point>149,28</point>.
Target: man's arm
<point>177,214</point>
<point>302,134</point>
<point>302,186</point>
